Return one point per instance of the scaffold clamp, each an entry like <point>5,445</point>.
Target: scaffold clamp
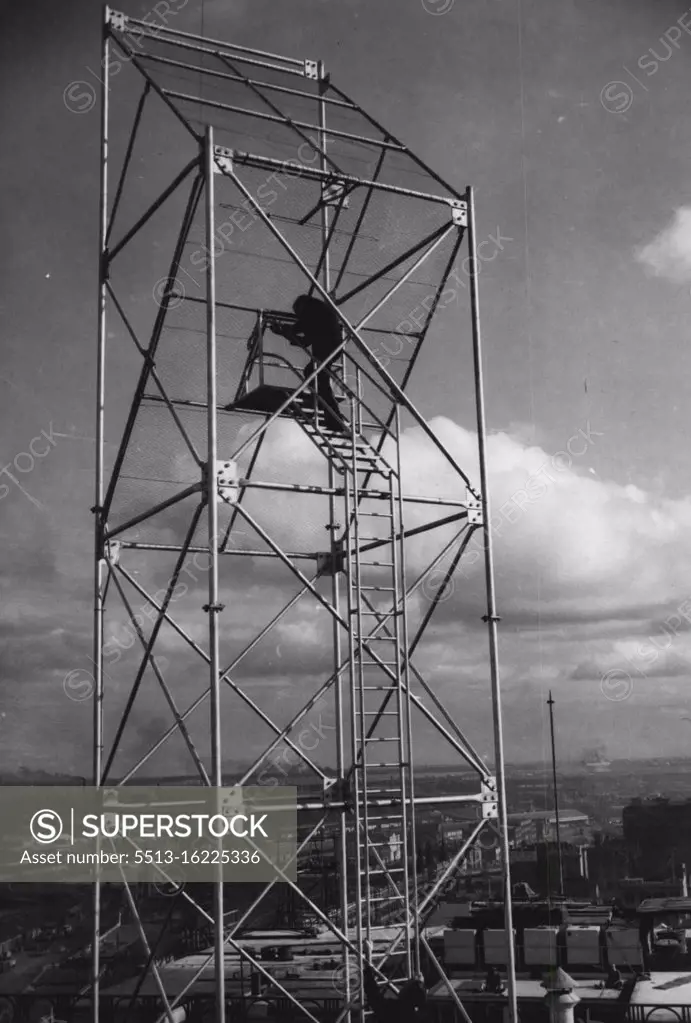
<point>329,563</point>
<point>490,806</point>
<point>228,480</point>
<point>474,507</point>
<point>331,789</point>
<point>312,70</point>
<point>223,159</point>
<point>112,552</point>
<point>334,193</point>
<point>116,20</point>
<point>459,212</point>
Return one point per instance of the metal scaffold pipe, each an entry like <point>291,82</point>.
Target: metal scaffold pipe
<point>491,617</point>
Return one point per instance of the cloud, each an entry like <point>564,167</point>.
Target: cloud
<point>669,254</point>
<point>590,574</point>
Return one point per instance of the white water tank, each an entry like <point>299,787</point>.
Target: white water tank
<point>540,946</point>
<point>583,945</point>
<point>459,947</point>
<point>496,946</point>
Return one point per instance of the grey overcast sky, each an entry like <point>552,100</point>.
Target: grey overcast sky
<point>570,117</point>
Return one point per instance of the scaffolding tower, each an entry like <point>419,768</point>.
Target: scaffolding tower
<point>243,179</point>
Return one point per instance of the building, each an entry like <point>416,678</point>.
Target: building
<point>657,833</point>
<point>541,826</point>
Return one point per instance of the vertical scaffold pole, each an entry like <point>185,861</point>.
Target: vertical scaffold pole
<point>98,500</point>
<point>212,510</point>
<point>491,617</point>
<point>335,583</point>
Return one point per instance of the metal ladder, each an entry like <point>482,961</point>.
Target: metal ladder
<point>371,558</point>
<point>373,565</point>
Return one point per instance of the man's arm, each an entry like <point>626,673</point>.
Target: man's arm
<point>290,331</point>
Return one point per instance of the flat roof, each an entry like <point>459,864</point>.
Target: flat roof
<point>668,988</point>
<point>529,990</point>
<point>548,815</point>
<point>673,904</point>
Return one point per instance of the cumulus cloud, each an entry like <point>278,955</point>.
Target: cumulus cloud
<point>669,254</point>
<point>592,576</point>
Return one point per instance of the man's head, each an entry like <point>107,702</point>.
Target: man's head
<point>303,303</point>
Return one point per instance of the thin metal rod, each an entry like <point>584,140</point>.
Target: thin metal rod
<point>181,726</point>
<point>422,334</point>
<point>431,237</point>
<point>234,514</point>
<point>155,510</point>
<point>128,157</point>
<point>192,203</point>
<point>156,205</point>
<point>491,617</point>
<point>163,932</point>
<point>236,660</point>
<point>99,564</point>
<point>297,126</point>
<point>405,647</point>
<point>279,312</point>
<point>343,874</point>
<point>447,983</point>
<point>214,608</point>
<point>440,592</point>
<point>462,746</point>
<point>219,43</point>
<point>269,163</point>
<point>385,802</point>
<point>247,915</point>
<point>213,73</point>
<point>131,55</point>
<point>448,871</point>
<point>550,704</point>
<point>283,119</point>
<point>134,913</point>
<point>157,380</point>
<point>421,164</point>
<point>172,583</point>
<point>358,224</point>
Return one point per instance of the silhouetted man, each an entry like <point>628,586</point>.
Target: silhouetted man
<point>317,329</point>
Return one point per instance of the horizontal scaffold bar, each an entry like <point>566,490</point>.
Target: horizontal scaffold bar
<point>340,804</point>
<point>173,36</point>
<point>269,86</point>
<point>299,170</point>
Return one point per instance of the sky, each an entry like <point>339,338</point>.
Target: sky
<point>569,119</point>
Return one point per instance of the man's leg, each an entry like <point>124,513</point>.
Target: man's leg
<point>334,419</point>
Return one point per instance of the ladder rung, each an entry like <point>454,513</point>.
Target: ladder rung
<point>392,870</point>
<point>378,639</point>
<point>380,664</point>
<point>381,713</point>
<point>394,764</point>
<point>379,689</point>
<point>389,898</point>
<point>379,614</point>
<point>380,738</point>
<point>377,515</point>
<point>376,564</point>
